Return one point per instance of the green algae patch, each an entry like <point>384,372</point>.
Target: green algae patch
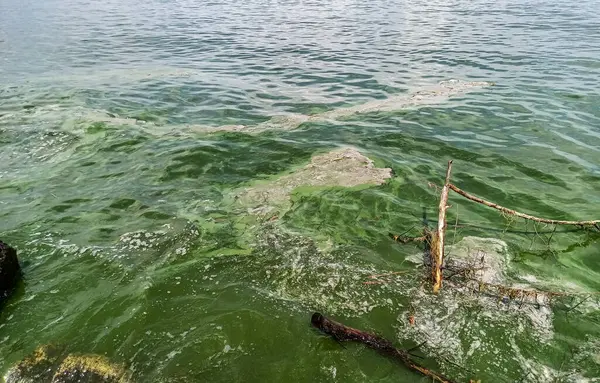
<point>78,118</point>
<point>432,95</point>
<point>345,167</point>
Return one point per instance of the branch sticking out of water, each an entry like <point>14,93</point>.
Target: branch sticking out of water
<point>594,223</point>
<point>437,247</point>
<point>436,239</point>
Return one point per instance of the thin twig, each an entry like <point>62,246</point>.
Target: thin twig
<point>551,235</point>
<point>400,239</point>
<point>578,304</point>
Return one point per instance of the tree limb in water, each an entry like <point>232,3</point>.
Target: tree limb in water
<point>595,223</point>
<point>342,333</point>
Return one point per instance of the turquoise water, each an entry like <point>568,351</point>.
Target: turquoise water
<point>119,182</point>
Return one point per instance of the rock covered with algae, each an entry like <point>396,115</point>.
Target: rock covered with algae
<point>37,367</point>
<point>49,364</point>
<point>345,167</point>
<point>9,269</point>
<point>89,369</point>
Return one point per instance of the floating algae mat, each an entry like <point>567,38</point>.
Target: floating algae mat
<point>433,95</point>
<point>74,117</point>
<point>345,167</point>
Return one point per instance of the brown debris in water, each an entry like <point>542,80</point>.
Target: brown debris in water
<point>436,242</point>
<point>343,333</point>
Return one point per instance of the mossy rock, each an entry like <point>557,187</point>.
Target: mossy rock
<point>49,364</point>
<point>37,367</point>
<point>89,369</point>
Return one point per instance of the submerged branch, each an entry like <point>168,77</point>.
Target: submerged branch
<point>342,333</point>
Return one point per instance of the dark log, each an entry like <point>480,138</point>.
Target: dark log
<point>342,333</point>
<point>10,271</point>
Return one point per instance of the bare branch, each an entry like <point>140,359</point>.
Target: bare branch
<point>437,248</point>
<point>595,223</point>
<point>343,333</point>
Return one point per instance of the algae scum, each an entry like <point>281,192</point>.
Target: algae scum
<point>187,183</point>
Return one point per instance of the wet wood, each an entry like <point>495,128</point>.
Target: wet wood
<point>595,223</point>
<point>343,333</point>
<point>437,248</point>
<point>405,240</point>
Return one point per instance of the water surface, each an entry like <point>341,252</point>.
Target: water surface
<point>120,195</point>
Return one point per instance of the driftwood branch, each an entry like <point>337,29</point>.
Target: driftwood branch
<point>437,247</point>
<point>405,240</point>
<point>595,223</point>
<point>342,333</point>
<point>434,240</point>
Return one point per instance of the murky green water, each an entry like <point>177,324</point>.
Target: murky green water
<point>120,193</point>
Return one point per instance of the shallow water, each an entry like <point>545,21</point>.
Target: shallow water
<point>119,190</point>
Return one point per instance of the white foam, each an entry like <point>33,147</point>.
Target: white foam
<point>464,326</point>
<point>294,271</point>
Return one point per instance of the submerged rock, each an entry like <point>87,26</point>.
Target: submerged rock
<point>10,270</point>
<point>48,364</point>
<point>343,167</point>
<point>37,367</point>
<point>89,369</point>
